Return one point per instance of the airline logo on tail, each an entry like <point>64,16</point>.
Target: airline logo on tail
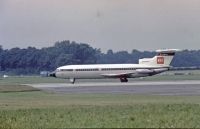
<point>160,60</point>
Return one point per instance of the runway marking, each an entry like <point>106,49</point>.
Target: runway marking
<point>137,83</point>
<point>147,88</point>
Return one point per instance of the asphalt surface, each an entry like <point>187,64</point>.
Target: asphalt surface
<point>185,87</point>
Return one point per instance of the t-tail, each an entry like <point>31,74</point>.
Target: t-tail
<point>162,59</point>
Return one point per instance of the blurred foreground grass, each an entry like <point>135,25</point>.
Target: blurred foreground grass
<point>117,116</point>
<point>26,110</point>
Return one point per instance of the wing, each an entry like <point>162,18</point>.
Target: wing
<point>117,75</point>
<point>137,71</point>
<point>127,75</point>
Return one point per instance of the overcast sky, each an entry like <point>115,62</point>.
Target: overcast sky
<point>105,24</point>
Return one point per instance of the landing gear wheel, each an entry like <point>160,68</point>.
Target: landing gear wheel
<point>123,79</point>
<point>72,80</point>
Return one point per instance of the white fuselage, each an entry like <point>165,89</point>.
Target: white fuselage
<point>107,71</point>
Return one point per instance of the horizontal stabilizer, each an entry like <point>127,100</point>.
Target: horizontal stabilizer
<point>168,50</point>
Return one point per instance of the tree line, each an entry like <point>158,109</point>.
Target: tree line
<point>32,60</point>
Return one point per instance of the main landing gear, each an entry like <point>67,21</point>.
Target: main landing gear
<point>72,80</point>
<point>123,79</point>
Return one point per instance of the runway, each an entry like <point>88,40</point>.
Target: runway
<point>185,87</point>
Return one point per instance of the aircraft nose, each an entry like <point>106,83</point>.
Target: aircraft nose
<point>52,74</point>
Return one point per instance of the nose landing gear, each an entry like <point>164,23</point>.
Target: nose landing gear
<point>72,80</point>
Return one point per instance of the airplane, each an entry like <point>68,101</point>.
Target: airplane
<point>146,67</point>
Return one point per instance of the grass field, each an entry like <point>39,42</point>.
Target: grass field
<point>120,116</point>
<point>45,110</point>
<point>24,107</point>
